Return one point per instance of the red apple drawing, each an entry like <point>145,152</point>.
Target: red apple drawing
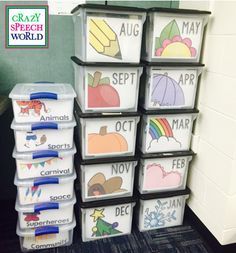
<point>101,93</point>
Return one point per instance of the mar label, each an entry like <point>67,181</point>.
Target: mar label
<point>26,26</point>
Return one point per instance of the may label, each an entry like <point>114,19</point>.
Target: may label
<point>177,36</point>
<point>26,26</point>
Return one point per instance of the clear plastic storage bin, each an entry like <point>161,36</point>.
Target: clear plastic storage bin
<point>44,163</point>
<point>106,135</point>
<point>170,85</point>
<point>166,130</point>
<point>174,35</point>
<point>106,178</point>
<point>45,237</point>
<point>163,171</point>
<point>43,135</point>
<point>108,33</point>
<point>108,87</point>
<point>40,102</point>
<point>161,210</point>
<point>46,189</point>
<point>106,218</point>
<point>45,214</point>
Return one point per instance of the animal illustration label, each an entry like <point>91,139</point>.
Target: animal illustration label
<point>172,133</point>
<point>163,174</point>
<point>46,217</point>
<point>177,37</point>
<point>108,221</point>
<point>108,88</point>
<point>108,180</point>
<point>46,241</point>
<point>42,110</point>
<point>45,193</point>
<point>172,88</point>
<point>114,38</point>
<point>44,139</point>
<point>54,166</point>
<point>160,213</point>
<point>112,136</point>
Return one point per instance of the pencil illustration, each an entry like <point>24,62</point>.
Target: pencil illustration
<point>103,39</point>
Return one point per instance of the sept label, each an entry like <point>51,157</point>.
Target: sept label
<point>114,39</point>
<point>176,36</point>
<point>107,88</point>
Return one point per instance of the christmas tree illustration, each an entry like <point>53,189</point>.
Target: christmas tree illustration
<point>102,227</point>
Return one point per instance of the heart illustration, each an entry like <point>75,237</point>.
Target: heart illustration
<point>158,178</point>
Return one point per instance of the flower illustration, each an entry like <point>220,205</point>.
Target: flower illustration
<point>176,47</point>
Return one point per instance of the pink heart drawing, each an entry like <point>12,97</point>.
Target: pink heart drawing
<point>158,178</point>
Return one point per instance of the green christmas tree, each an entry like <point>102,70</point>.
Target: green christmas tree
<point>102,227</point>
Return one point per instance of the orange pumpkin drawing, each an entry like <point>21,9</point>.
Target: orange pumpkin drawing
<point>104,142</point>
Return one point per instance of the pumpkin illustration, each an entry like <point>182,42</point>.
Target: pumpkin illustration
<point>166,91</point>
<point>104,142</point>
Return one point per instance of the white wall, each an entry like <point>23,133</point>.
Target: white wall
<point>213,174</point>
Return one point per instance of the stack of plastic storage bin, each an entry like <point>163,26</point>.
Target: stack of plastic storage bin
<point>43,128</point>
<point>107,75</point>
<point>172,52</point>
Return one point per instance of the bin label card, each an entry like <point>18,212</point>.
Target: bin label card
<point>46,241</point>
<point>110,136</point>
<point>108,179</point>
<point>172,88</point>
<point>108,221</point>
<point>178,37</point>
<point>164,174</point>
<point>168,134</point>
<point>108,89</point>
<point>109,38</point>
<point>27,26</point>
<point>163,212</point>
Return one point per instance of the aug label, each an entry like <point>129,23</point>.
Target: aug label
<point>177,37</point>
<point>114,39</point>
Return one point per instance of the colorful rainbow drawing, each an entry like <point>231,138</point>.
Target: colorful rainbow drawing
<point>160,127</point>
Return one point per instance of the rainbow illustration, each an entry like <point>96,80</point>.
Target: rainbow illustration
<point>160,127</point>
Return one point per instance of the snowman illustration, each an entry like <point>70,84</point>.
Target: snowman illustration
<point>32,140</point>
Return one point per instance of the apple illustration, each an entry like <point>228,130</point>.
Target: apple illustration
<point>101,93</point>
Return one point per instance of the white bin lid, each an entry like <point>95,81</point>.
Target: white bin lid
<point>44,206</point>
<point>42,90</point>
<point>42,125</point>
<point>43,154</point>
<point>44,180</point>
<point>29,232</point>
